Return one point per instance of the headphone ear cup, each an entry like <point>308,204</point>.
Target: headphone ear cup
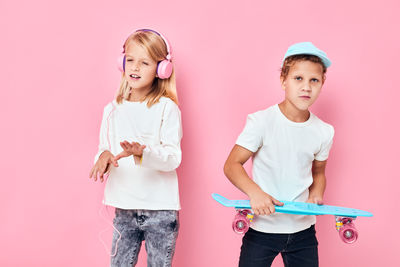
<point>121,63</point>
<point>164,69</point>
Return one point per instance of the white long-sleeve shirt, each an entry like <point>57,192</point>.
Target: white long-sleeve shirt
<point>153,184</point>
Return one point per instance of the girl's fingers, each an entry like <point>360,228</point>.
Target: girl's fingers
<point>117,157</point>
<point>100,175</point>
<point>127,144</point>
<point>123,145</point>
<point>96,174</point>
<point>114,161</point>
<point>91,173</point>
<point>103,170</point>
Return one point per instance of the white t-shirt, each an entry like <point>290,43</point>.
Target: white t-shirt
<point>153,184</point>
<point>284,154</point>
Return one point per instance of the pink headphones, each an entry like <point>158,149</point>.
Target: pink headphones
<point>164,67</point>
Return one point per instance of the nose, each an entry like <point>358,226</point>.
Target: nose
<point>307,87</point>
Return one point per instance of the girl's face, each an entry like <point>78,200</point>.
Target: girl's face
<point>140,68</point>
<point>303,84</point>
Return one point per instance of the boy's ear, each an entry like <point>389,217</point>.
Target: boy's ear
<point>283,83</point>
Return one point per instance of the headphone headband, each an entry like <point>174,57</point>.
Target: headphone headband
<point>166,42</point>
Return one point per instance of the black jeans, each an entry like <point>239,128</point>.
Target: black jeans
<point>297,249</point>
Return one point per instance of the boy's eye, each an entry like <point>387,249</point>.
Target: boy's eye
<point>145,63</point>
<point>314,80</point>
<point>129,60</point>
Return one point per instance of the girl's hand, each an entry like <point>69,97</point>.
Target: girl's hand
<point>263,204</point>
<point>102,166</point>
<point>315,199</point>
<point>130,149</point>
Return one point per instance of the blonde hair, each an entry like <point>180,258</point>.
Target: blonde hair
<point>157,50</point>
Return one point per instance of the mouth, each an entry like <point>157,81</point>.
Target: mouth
<point>134,76</point>
<point>305,97</point>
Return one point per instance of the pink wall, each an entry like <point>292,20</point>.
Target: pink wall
<point>58,70</point>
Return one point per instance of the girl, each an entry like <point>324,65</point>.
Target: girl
<point>139,151</point>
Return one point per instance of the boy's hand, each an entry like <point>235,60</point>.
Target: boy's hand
<point>101,168</point>
<point>130,149</point>
<point>315,199</point>
<point>263,204</point>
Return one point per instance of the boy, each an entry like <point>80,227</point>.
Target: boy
<point>290,147</point>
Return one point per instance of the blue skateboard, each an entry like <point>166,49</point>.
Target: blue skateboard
<point>344,216</point>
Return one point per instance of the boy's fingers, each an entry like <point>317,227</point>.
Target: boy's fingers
<point>277,202</point>
<point>272,209</point>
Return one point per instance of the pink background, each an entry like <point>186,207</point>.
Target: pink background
<point>58,70</point>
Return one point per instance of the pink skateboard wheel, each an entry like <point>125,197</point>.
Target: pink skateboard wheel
<point>241,223</point>
<point>348,233</point>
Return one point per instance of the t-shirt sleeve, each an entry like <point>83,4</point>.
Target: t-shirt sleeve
<point>251,136</point>
<point>323,154</point>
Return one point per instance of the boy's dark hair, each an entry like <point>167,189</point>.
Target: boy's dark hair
<point>290,61</point>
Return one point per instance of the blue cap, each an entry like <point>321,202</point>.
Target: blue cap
<point>307,48</point>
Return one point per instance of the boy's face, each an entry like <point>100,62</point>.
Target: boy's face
<point>303,84</point>
<point>140,68</point>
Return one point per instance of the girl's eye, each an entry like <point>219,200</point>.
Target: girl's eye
<point>145,63</point>
<point>129,60</point>
<point>314,80</point>
<point>298,78</point>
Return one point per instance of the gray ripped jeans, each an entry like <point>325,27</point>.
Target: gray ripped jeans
<point>159,229</point>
